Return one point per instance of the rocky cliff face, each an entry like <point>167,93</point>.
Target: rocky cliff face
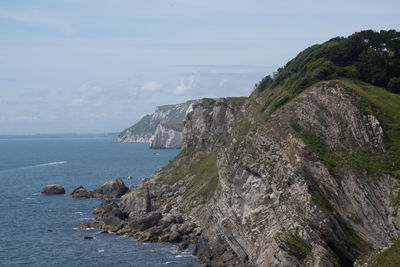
<point>313,181</point>
<point>145,131</point>
<point>282,197</point>
<point>166,137</point>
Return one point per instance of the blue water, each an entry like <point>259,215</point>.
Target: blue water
<point>38,230</point>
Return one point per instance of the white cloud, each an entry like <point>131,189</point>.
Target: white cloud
<point>151,86</point>
<point>184,86</point>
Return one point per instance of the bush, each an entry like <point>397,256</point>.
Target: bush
<point>394,85</point>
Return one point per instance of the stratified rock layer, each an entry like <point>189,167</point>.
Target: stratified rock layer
<point>278,185</point>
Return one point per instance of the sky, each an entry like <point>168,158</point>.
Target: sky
<point>92,66</point>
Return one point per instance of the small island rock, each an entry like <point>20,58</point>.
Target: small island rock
<point>53,189</point>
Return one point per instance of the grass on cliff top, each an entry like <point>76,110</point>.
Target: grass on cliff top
<point>388,102</point>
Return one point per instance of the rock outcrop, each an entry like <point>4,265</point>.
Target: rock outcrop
<point>80,192</point>
<point>53,189</point>
<point>114,188</point>
<point>162,129</point>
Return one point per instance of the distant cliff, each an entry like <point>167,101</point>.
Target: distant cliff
<point>162,129</point>
<point>166,137</point>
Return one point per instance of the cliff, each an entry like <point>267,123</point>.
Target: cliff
<point>166,137</point>
<point>303,172</point>
<point>147,130</point>
<point>309,182</point>
<point>314,181</point>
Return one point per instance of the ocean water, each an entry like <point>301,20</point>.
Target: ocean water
<point>40,230</point>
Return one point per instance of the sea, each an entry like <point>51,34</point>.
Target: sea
<point>41,230</point>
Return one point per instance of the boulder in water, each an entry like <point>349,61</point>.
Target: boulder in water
<point>53,189</point>
<point>80,192</point>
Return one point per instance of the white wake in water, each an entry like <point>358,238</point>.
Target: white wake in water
<point>36,166</point>
<point>47,164</point>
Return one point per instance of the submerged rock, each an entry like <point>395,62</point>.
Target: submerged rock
<point>87,225</point>
<point>53,189</point>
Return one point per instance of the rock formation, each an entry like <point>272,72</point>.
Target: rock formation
<point>80,192</point>
<point>53,189</point>
<point>162,129</point>
<point>166,137</point>
<point>269,186</point>
<point>114,188</point>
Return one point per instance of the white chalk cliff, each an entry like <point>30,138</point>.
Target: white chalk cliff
<point>162,129</point>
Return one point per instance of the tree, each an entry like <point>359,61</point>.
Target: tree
<point>394,85</point>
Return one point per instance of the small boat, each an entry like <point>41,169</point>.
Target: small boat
<point>155,154</point>
<point>130,177</point>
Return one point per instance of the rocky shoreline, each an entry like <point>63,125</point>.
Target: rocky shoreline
<point>145,214</point>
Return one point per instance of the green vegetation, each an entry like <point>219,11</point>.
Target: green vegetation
<point>297,246</point>
<point>205,180</point>
<point>386,107</point>
<point>330,158</point>
<point>202,174</point>
<point>372,57</point>
<point>237,100</point>
<point>389,257</point>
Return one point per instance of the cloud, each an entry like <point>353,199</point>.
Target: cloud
<point>184,87</point>
<point>151,86</point>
